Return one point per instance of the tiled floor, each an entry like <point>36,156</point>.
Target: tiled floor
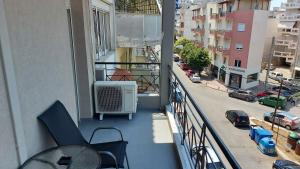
<point>150,140</point>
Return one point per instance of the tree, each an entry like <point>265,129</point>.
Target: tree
<point>180,43</point>
<point>198,59</point>
<point>187,50</point>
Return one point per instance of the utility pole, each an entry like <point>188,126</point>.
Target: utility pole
<point>276,107</point>
<point>269,61</point>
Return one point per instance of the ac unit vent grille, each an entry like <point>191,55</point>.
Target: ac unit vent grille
<point>109,99</point>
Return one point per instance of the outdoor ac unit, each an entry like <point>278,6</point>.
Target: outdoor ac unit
<point>115,97</point>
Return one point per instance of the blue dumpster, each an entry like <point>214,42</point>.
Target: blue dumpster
<point>253,128</point>
<point>261,133</point>
<point>267,146</point>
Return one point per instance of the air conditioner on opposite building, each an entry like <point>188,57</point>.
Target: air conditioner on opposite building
<point>115,97</point>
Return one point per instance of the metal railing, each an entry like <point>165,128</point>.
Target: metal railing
<point>145,74</point>
<point>203,145</point>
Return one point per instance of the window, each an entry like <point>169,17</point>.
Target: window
<point>224,61</point>
<point>241,27</point>
<point>239,46</point>
<point>252,78</point>
<point>210,11</point>
<point>102,32</point>
<point>237,63</point>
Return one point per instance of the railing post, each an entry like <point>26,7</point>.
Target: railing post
<point>184,120</point>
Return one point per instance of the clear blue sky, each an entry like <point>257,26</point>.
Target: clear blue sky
<point>276,3</point>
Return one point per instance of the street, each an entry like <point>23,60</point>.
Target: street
<point>214,104</point>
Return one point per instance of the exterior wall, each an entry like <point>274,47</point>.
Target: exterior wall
<point>245,17</point>
<point>8,149</point>
<point>271,24</point>
<point>188,24</point>
<point>42,61</point>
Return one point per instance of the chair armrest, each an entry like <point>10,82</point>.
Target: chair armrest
<point>110,155</point>
<point>105,128</point>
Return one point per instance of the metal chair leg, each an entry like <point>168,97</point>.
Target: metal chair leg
<point>127,160</point>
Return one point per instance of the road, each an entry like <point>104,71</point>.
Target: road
<point>214,104</point>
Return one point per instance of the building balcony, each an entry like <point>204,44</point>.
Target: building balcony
<point>295,4</point>
<point>198,31</point>
<point>222,51</point>
<point>213,31</point>
<point>289,57</point>
<point>288,43</point>
<point>212,48</point>
<point>289,31</point>
<point>290,18</point>
<point>198,18</point>
<point>199,44</point>
<point>214,16</point>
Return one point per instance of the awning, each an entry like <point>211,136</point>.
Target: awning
<point>286,24</point>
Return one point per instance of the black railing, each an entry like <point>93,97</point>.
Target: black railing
<point>202,143</point>
<point>145,74</point>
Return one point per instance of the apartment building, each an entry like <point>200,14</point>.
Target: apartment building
<point>233,32</point>
<point>287,40</point>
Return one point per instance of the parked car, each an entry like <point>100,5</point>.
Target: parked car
<point>285,164</point>
<point>180,62</point>
<point>237,117</point>
<point>242,94</point>
<point>275,75</point>
<point>287,81</point>
<point>272,101</point>
<point>176,58</point>
<point>189,72</point>
<point>265,93</point>
<point>276,88</point>
<point>211,159</point>
<point>285,119</point>
<point>184,66</point>
<point>195,78</point>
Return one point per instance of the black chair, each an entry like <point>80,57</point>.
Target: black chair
<point>65,132</point>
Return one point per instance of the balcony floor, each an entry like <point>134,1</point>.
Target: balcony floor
<point>149,136</point>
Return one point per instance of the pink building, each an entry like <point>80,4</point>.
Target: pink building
<point>234,34</point>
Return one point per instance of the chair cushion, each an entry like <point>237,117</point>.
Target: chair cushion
<point>117,148</point>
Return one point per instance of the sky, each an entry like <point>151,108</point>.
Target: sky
<point>276,3</point>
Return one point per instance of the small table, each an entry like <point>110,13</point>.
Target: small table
<point>82,157</point>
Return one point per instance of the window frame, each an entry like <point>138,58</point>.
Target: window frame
<point>241,25</point>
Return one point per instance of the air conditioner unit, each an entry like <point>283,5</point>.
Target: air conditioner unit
<point>115,97</point>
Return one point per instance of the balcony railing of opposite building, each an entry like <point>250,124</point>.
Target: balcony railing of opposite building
<point>145,74</point>
<point>199,139</point>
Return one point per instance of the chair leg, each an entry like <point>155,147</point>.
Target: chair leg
<point>127,160</point>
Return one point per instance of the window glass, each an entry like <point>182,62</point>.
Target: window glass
<point>239,46</point>
<point>237,63</point>
<point>241,27</point>
<point>252,78</point>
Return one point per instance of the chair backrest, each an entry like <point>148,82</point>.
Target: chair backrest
<point>61,126</point>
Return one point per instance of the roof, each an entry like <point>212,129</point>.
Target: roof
<point>240,112</point>
<point>263,132</point>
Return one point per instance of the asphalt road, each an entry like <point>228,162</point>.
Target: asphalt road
<point>214,104</point>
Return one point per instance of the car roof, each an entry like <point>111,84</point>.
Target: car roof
<point>239,112</point>
<point>288,115</point>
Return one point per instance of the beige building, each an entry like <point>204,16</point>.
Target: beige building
<point>287,41</point>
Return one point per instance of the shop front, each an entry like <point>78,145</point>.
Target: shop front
<point>215,70</point>
<point>235,80</point>
<point>222,75</point>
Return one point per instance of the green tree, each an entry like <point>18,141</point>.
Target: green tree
<point>198,59</point>
<point>187,50</point>
<point>180,42</point>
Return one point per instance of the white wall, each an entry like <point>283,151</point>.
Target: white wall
<point>188,24</point>
<point>257,41</point>
<point>42,62</point>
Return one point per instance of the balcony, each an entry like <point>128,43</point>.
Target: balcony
<point>289,57</point>
<point>213,32</point>
<point>288,43</point>
<point>214,16</point>
<point>199,44</point>
<point>148,133</point>
<point>198,18</point>
<point>145,74</point>
<point>295,4</point>
<point>289,31</point>
<point>290,18</point>
<point>212,48</point>
<point>223,51</point>
<point>198,31</point>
